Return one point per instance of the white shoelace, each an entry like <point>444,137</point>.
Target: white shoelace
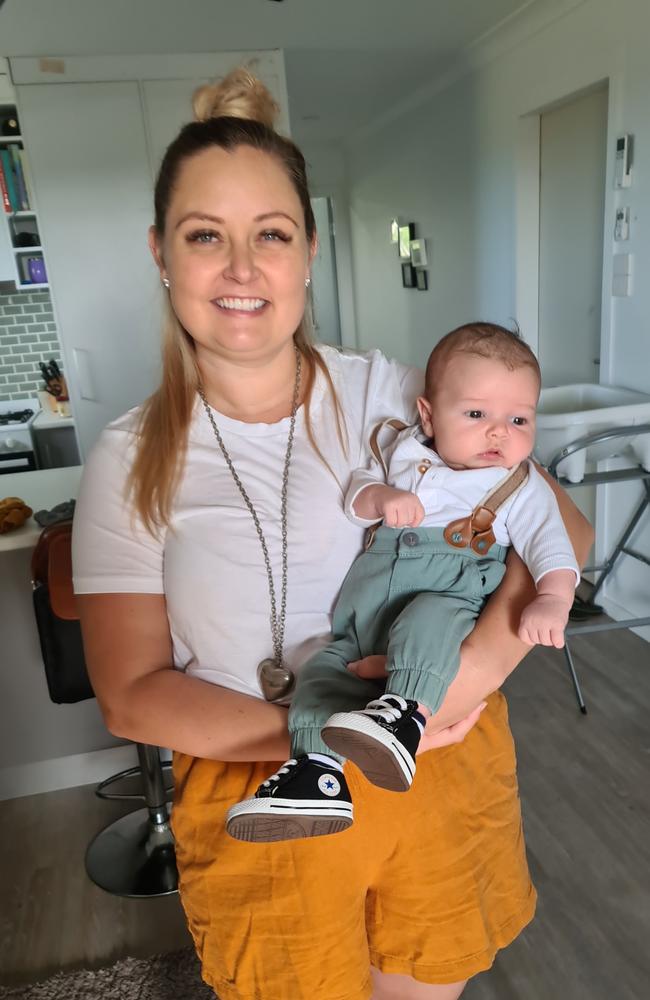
<point>278,774</point>
<point>389,713</point>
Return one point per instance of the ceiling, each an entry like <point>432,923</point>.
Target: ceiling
<point>347,60</point>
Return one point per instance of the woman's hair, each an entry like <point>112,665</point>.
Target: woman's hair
<point>238,111</point>
<point>485,340</point>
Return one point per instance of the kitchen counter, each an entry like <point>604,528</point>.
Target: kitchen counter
<point>41,490</point>
<point>43,746</point>
<point>46,419</point>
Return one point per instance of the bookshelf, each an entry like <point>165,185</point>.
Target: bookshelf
<point>18,211</point>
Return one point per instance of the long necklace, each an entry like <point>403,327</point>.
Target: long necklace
<point>275,678</point>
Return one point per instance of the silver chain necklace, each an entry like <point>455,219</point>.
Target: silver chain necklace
<point>275,678</point>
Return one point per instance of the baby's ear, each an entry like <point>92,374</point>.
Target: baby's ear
<point>424,409</point>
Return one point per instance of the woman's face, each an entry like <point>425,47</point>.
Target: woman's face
<point>236,254</point>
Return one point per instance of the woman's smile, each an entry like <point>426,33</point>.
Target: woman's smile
<point>239,306</point>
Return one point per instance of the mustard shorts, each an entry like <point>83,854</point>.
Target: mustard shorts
<point>428,884</point>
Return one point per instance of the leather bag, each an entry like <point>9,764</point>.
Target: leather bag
<point>57,619</point>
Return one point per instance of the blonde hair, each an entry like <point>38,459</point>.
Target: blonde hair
<point>236,111</point>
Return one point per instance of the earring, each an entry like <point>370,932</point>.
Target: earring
<point>165,282</point>
<point>307,282</point>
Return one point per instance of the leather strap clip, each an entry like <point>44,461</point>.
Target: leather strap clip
<point>474,531</point>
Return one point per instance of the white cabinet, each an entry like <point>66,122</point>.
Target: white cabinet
<point>95,135</point>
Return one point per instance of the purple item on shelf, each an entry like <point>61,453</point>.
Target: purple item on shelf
<point>37,273</point>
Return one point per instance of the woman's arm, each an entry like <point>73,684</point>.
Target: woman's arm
<point>493,649</point>
<point>128,653</point>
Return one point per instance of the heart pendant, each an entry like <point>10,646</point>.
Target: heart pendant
<point>276,680</point>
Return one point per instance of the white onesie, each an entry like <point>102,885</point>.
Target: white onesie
<point>529,520</point>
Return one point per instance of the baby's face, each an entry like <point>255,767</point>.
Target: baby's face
<point>482,414</point>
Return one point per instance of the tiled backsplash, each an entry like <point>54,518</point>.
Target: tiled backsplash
<point>27,335</point>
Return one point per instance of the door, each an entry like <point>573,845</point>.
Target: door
<point>573,150</point>
<point>324,287</point>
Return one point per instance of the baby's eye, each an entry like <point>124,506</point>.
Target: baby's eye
<point>202,236</point>
<point>519,421</point>
<point>474,414</point>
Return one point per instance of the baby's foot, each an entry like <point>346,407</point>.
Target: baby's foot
<point>307,797</point>
<point>381,739</point>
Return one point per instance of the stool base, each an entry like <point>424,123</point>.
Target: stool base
<point>134,857</point>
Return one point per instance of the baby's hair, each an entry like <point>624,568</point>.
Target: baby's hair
<point>485,340</point>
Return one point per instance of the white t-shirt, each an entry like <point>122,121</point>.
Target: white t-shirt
<point>209,563</point>
<point>529,520</point>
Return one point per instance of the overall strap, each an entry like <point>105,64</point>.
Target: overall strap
<point>475,530</point>
<point>397,425</point>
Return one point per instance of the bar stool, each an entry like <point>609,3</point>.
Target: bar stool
<point>134,856</point>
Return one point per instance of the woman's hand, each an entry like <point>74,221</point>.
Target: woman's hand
<point>433,738</point>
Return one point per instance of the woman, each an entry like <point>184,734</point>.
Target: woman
<point>233,474</point>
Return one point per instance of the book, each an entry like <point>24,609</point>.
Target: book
<point>4,194</point>
<point>27,179</point>
<point>7,168</point>
<point>16,155</point>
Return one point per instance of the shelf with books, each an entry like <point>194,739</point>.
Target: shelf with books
<point>18,209</point>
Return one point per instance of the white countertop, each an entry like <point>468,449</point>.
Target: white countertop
<point>47,419</point>
<point>41,490</point>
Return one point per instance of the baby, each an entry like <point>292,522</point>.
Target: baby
<point>451,495</point>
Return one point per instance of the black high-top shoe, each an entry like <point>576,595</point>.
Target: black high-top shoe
<point>304,798</point>
<point>381,739</point>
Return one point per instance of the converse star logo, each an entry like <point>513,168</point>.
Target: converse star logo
<point>329,785</point>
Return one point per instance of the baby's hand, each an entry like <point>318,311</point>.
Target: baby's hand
<point>400,509</point>
<point>544,621</point>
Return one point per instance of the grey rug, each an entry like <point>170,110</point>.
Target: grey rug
<point>165,977</point>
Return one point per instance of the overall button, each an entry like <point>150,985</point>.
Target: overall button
<point>410,538</point>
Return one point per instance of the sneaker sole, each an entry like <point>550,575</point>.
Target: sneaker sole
<point>267,821</point>
<point>378,754</point>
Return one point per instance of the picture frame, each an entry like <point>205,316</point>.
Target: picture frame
<point>408,275</point>
<point>406,234</point>
<point>418,253</point>
<point>394,231</point>
<point>421,279</point>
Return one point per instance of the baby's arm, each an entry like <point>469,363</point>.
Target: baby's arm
<point>543,621</point>
<point>369,499</point>
<point>538,535</point>
<point>397,508</point>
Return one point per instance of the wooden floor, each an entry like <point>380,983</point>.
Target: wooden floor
<point>585,784</point>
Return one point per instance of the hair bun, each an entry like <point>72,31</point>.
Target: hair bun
<point>238,95</point>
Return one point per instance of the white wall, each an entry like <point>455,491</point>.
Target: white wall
<point>449,164</point>
<point>326,170</point>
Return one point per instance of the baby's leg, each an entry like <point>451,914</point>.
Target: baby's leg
<point>325,686</point>
<point>424,646</point>
<point>422,659</point>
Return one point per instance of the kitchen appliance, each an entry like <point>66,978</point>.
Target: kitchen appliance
<point>16,446</point>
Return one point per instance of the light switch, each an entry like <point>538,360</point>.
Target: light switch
<point>622,263</point>
<point>622,285</point>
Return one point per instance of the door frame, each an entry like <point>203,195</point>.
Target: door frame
<point>527,230</point>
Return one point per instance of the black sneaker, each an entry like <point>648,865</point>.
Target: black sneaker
<point>381,739</point>
<point>304,799</point>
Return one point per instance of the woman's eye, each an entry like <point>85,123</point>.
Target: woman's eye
<point>202,236</point>
<point>519,421</point>
<point>274,235</point>
<point>475,414</point>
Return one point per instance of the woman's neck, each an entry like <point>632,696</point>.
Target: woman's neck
<point>261,393</point>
